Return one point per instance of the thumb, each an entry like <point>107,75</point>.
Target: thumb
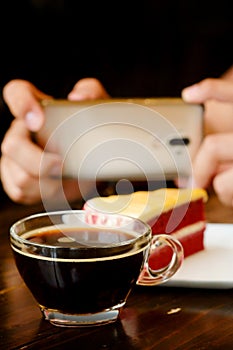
<point>23,100</point>
<point>210,88</point>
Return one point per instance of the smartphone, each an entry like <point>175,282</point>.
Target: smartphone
<point>113,139</point>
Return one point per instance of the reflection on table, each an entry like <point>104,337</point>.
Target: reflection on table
<point>154,318</point>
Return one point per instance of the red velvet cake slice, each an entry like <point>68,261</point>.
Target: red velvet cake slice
<point>179,212</point>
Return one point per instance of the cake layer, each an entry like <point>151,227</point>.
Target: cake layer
<point>192,240</point>
<point>178,217</point>
<point>148,205</point>
<point>179,212</point>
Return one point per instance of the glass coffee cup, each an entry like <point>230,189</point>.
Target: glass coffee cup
<point>81,267</point>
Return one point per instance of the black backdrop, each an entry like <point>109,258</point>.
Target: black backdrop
<point>137,49</point>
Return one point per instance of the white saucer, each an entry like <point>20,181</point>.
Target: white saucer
<point>212,267</point>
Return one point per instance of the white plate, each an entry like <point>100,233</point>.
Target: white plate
<point>212,267</point>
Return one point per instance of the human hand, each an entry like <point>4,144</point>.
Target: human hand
<point>23,100</point>
<point>213,163</point>
<point>22,172</point>
<point>217,97</point>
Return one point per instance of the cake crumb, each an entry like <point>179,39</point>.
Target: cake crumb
<point>174,311</point>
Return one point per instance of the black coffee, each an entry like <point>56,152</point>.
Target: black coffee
<point>89,279</point>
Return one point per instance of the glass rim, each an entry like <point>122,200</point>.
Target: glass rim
<point>17,237</point>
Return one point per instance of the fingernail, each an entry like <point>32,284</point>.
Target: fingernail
<point>186,182</point>
<point>190,93</point>
<point>76,97</point>
<point>191,182</point>
<point>33,121</point>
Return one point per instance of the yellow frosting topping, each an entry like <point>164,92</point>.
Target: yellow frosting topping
<point>146,204</point>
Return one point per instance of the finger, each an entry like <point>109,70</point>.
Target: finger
<point>26,189</point>
<point>18,184</point>
<point>218,117</point>
<point>218,89</point>
<point>29,156</point>
<point>228,75</point>
<point>88,89</point>
<point>222,185</point>
<point>23,100</point>
<point>214,153</point>
<point>56,192</point>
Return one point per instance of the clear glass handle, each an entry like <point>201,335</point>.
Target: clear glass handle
<point>151,277</point>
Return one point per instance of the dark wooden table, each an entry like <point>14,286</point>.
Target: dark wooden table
<point>204,320</point>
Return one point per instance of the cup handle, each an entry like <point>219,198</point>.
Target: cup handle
<point>150,277</point>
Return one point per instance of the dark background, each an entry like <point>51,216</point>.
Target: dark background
<point>137,49</point>
<point>153,48</point>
